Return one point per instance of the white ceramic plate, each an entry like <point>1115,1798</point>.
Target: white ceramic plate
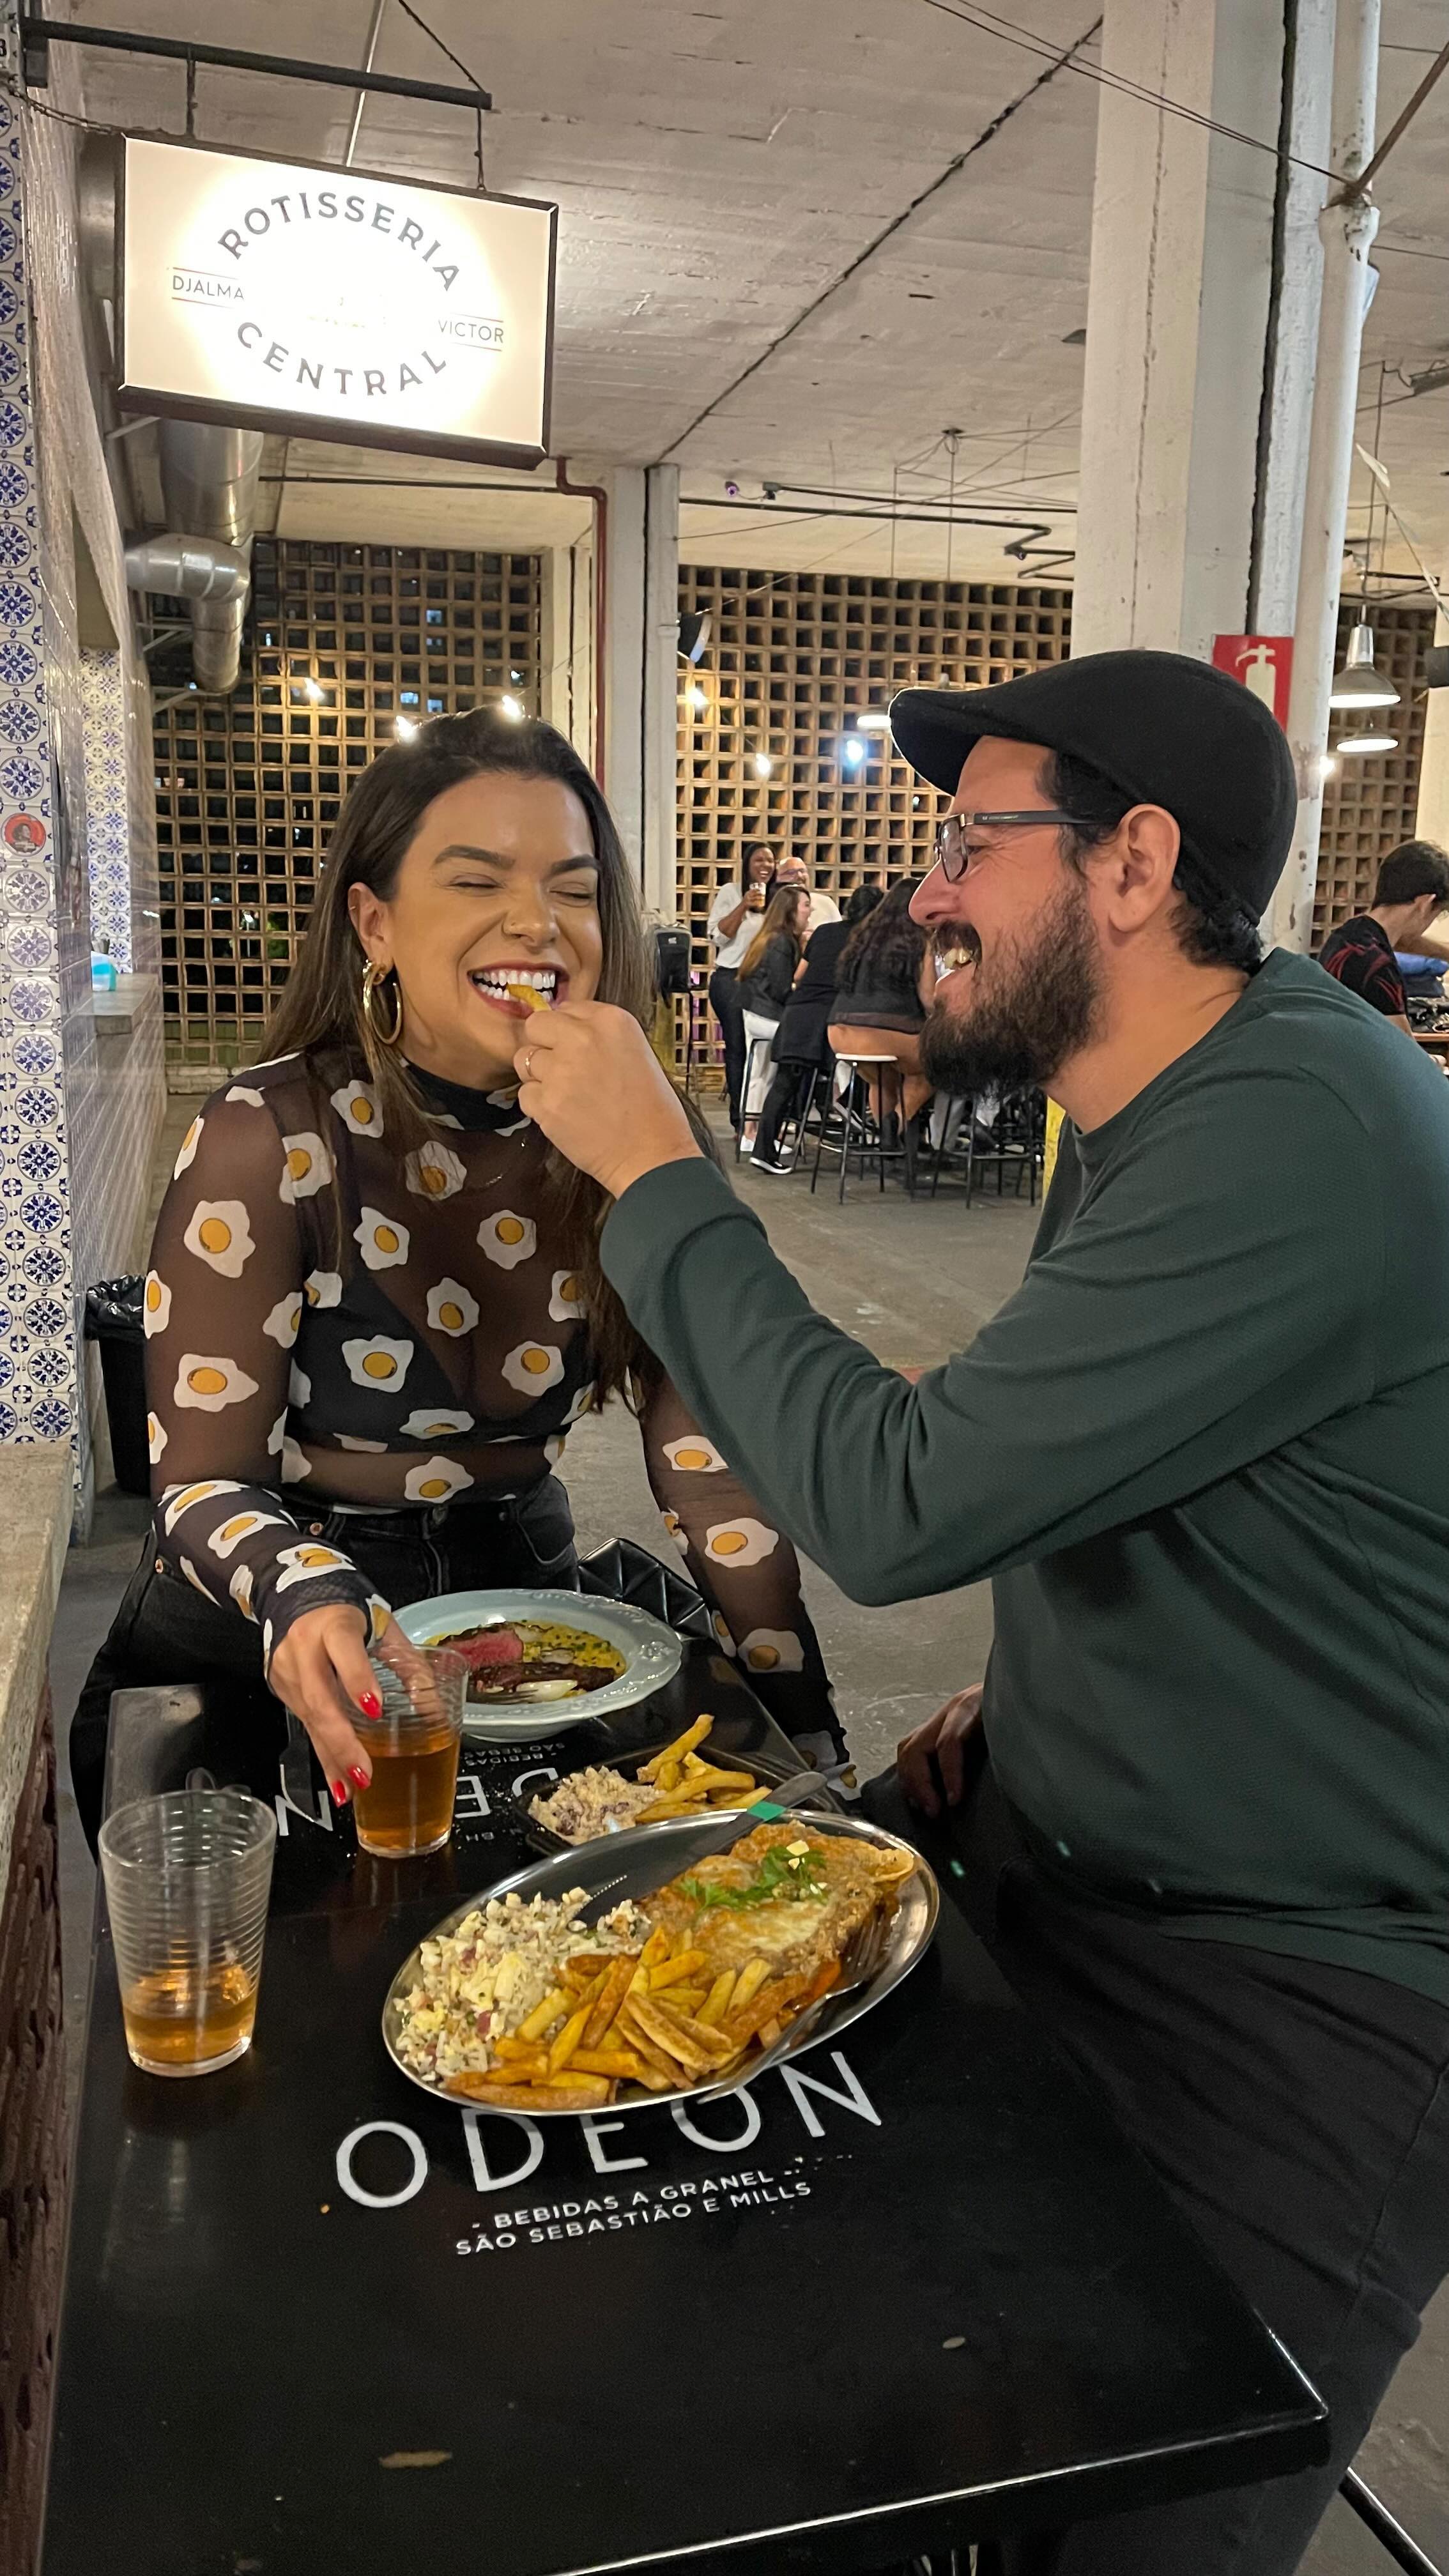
<point>606,1868</point>
<point>652,1654</point>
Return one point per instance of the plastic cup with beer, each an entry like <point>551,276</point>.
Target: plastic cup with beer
<point>413,1748</point>
<point>187,1879</point>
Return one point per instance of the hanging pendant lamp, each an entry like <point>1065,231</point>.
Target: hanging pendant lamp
<point>1361,683</point>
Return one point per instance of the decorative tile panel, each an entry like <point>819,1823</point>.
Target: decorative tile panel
<point>76,820</point>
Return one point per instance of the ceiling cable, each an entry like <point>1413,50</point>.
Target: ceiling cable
<point>986,24</point>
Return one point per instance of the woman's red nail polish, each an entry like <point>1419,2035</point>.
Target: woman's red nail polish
<point>339,1794</point>
<point>362,1778</point>
<point>369,1703</point>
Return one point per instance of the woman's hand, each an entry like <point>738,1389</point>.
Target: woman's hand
<point>592,1082</point>
<point>321,1672</point>
<point>946,1736</point>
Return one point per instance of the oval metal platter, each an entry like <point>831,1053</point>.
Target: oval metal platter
<point>606,1867</point>
<point>652,1654</point>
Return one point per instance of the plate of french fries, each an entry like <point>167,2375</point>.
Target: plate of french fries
<point>649,1967</point>
<point>687,1777</point>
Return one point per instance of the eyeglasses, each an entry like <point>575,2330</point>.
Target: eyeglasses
<point>952,855</point>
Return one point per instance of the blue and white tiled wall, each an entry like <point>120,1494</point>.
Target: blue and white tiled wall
<point>76,824</point>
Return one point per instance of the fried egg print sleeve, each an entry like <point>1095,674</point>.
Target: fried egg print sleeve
<point>222,1306</point>
<point>746,1568</point>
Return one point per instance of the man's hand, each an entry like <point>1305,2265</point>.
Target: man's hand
<point>592,1082</point>
<point>945,1736</point>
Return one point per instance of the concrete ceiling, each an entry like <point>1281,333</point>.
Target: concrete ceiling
<point>797,244</point>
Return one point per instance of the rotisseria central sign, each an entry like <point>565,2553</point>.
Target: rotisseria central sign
<point>275,295</point>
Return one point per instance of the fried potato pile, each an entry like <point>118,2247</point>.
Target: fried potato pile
<point>645,2017</point>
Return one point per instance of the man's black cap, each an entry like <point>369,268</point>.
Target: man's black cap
<point>1163,728</point>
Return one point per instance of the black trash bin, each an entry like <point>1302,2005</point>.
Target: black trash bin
<point>114,1319</point>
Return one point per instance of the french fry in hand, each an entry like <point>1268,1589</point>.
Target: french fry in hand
<point>544,2015</point>
<point>527,997</point>
<point>676,1751</point>
<point>615,1988</point>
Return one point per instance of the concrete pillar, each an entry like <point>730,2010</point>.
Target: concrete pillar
<point>641,628</point>
<point>1431,823</point>
<point>566,643</point>
<point>1346,229</point>
<point>661,692</point>
<point>1178,336</point>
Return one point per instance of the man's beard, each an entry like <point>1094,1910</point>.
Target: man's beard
<point>1040,1003</point>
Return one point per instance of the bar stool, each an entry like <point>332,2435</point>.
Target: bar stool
<point>851,1062</point>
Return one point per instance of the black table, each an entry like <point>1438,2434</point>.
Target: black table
<point>914,2291</point>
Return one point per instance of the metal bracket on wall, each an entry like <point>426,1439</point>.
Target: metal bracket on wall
<point>38,34</point>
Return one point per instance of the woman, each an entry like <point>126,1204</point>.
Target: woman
<point>885,980</point>
<point>734,917</point>
<point>767,971</point>
<point>802,1046</point>
<point>376,1306</point>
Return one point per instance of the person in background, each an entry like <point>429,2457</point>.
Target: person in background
<point>734,918</point>
<point>823,907</point>
<point>767,971</point>
<point>803,1046</point>
<point>1413,885</point>
<point>884,981</point>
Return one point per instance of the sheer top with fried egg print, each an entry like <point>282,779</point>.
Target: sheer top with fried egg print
<point>329,1321</point>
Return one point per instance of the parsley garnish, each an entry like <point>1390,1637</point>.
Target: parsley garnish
<point>798,1878</point>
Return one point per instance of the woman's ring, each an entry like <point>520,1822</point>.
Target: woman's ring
<point>528,1064</point>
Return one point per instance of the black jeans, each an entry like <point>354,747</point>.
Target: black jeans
<point>1299,2116</point>
<point>729,1011</point>
<point>785,1095</point>
<point>165,1632</point>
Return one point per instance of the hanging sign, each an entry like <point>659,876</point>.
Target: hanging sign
<point>1264,664</point>
<point>330,303</point>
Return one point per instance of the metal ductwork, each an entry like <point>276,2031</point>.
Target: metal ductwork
<point>187,568</point>
<point>208,476</point>
<point>209,485</point>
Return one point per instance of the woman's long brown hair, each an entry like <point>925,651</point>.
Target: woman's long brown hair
<point>320,1014</point>
<point>778,923</point>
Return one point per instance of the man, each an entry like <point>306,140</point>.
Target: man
<point>733,921</point>
<point>1413,885</point>
<point>823,907</point>
<point>1201,1803</point>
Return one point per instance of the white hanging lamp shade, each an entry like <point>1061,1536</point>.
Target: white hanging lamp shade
<point>1361,683</point>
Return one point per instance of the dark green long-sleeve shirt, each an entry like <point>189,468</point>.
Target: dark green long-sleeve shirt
<point>1203,1454</point>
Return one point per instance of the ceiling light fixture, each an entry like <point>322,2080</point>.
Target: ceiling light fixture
<point>511,708</point>
<point>764,765</point>
<point>1360,683</point>
<point>852,751</point>
<point>404,728</point>
<point>873,720</point>
<point>314,690</point>
<point>1356,745</point>
<point>697,698</point>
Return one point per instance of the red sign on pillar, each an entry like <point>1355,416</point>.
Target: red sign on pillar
<point>1264,664</point>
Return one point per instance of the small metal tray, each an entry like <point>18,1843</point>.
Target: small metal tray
<point>605,1868</point>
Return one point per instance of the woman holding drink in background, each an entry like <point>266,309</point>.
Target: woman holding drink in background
<point>375,1305</point>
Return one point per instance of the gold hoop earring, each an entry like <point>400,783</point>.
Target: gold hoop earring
<point>373,979</point>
